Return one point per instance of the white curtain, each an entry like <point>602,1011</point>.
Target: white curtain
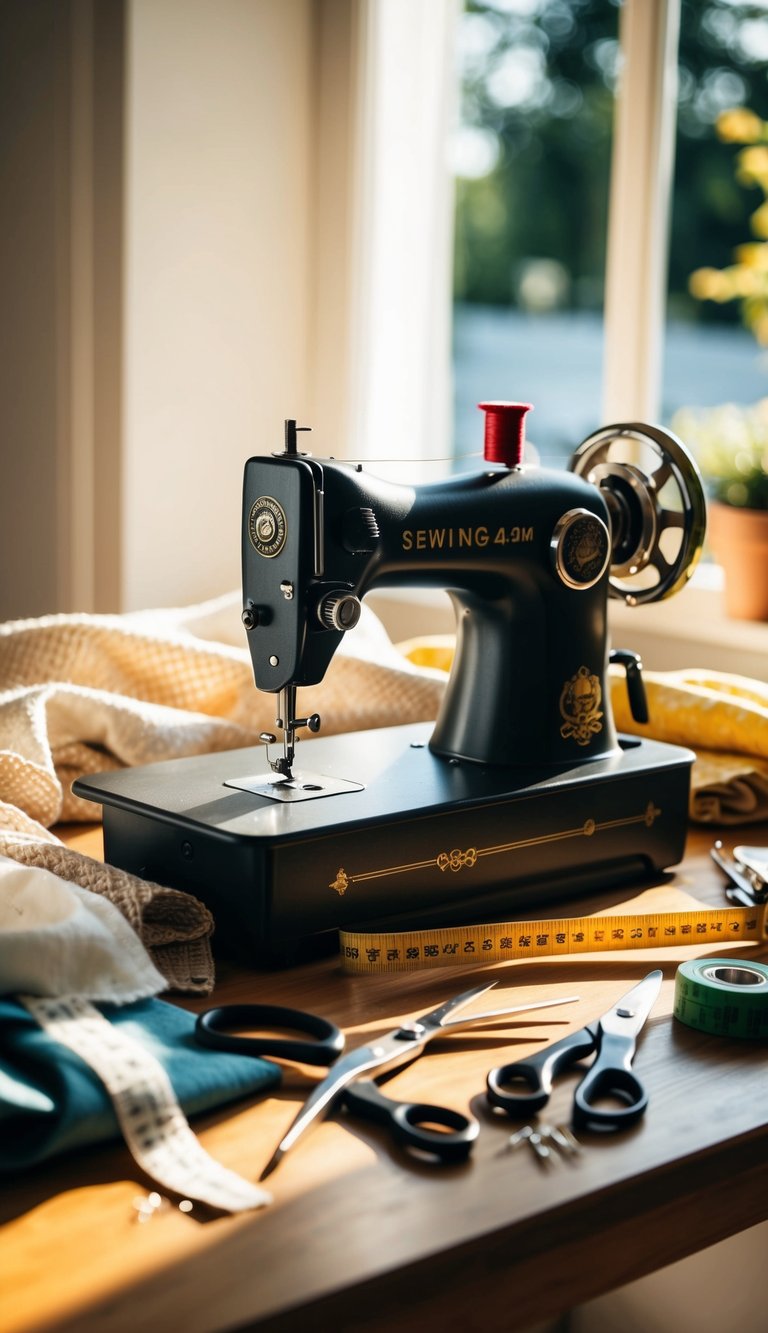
<point>401,264</point>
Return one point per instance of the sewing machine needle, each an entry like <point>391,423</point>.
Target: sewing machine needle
<point>286,720</point>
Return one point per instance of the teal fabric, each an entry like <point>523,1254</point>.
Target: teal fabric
<point>51,1102</point>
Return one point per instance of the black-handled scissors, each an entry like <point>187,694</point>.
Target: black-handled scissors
<point>346,1083</point>
<point>524,1087</point>
<point>407,1121</point>
<point>218,1028</point>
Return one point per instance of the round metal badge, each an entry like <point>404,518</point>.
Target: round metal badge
<point>267,527</point>
<point>580,548</point>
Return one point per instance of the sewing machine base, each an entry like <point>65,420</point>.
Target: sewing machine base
<point>426,841</point>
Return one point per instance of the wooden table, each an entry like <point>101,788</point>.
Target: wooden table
<point>358,1236</point>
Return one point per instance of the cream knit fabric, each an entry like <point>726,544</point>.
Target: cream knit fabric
<point>81,694</point>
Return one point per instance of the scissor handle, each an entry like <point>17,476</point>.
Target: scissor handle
<point>217,1028</point>
<point>611,1076</point>
<point>409,1122</point>
<point>524,1087</point>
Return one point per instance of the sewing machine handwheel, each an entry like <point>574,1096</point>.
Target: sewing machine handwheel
<point>656,500</point>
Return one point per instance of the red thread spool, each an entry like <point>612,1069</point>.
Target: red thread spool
<point>504,432</point>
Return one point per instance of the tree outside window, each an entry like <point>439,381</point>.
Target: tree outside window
<point>532,161</point>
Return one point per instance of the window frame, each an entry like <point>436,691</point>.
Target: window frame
<point>640,199</point>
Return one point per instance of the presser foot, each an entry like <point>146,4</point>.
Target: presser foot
<point>289,724</point>
<point>282,783</point>
<point>304,786</point>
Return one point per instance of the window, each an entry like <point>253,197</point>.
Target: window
<point>711,358</point>
<point>534,68</point>
<point>532,157</point>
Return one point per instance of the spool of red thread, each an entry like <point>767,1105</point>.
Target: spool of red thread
<point>504,432</point>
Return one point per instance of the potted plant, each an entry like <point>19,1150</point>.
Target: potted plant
<point>732,442</point>
<point>731,445</point>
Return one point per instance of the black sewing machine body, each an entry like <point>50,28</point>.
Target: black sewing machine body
<point>523,634</point>
<point>520,794</point>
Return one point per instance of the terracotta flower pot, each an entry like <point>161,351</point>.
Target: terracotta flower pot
<point>739,540</point>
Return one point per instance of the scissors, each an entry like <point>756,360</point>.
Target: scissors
<point>614,1038</point>
<point>346,1083</point>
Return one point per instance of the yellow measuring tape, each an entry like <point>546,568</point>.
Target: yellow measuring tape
<point>502,941</point>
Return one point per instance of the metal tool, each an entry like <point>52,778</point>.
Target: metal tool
<point>525,1086</point>
<point>747,871</point>
<point>408,1122</point>
<point>541,1138</point>
<point>496,804</point>
<point>755,862</point>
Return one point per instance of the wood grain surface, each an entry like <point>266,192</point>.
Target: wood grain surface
<point>360,1236</point>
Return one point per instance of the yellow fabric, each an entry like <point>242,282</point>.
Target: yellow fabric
<point>722,718</point>
<point>434,650</point>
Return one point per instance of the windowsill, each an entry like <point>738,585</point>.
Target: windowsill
<point>697,617</point>
<point>688,630</point>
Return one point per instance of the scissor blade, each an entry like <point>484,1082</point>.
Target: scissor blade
<point>326,1093</point>
<point>627,1016</point>
<point>436,1018</point>
<point>467,1020</point>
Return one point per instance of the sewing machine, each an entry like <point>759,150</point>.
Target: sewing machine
<point>522,792</point>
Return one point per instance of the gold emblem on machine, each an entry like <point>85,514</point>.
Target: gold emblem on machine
<point>580,701</point>
<point>457,859</point>
<point>340,883</point>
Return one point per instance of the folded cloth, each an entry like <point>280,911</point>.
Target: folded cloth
<point>728,791</point>
<point>723,718</point>
<point>52,1102</point>
<point>59,939</point>
<point>81,694</point>
<point>174,927</point>
<point>62,948</point>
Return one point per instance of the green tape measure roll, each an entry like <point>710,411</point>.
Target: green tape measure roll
<point>724,997</point>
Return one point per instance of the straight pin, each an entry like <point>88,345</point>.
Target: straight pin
<point>540,1148</point>
<point>563,1138</point>
<point>520,1136</point>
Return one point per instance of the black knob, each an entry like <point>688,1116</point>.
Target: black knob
<point>638,701</point>
<point>340,610</point>
<point>255,615</point>
<point>361,531</point>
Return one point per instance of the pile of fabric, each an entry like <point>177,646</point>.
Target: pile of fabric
<point>83,694</point>
<point>85,949</point>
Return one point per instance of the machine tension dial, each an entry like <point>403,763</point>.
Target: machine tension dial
<point>339,610</point>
